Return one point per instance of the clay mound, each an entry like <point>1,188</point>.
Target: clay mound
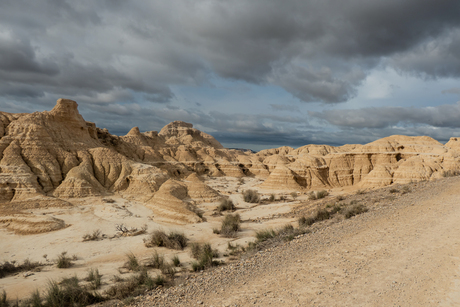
<point>199,191</point>
<point>418,168</point>
<point>181,133</point>
<point>404,144</point>
<point>380,176</point>
<point>144,180</point>
<point>171,203</point>
<point>282,178</point>
<point>27,224</point>
<point>454,143</point>
<point>284,150</point>
<point>317,150</point>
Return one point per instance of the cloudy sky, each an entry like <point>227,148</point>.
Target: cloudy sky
<point>253,73</point>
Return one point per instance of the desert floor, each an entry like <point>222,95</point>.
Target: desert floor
<point>109,254</point>
<point>403,252</point>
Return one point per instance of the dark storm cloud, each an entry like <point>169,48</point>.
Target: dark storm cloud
<point>316,50</point>
<point>454,90</point>
<point>439,116</point>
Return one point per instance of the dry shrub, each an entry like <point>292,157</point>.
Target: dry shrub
<point>63,261</point>
<point>314,195</point>
<point>355,210</point>
<point>251,196</point>
<point>204,255</point>
<point>8,268</point>
<point>69,293</point>
<point>230,225</point>
<point>94,236</point>
<point>173,240</point>
<point>135,285</point>
<point>226,205</point>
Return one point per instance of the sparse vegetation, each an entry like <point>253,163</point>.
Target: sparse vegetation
<point>360,192</point>
<point>251,196</point>
<point>69,293</point>
<point>226,204</point>
<point>294,195</point>
<point>35,300</point>
<point>269,237</point>
<point>405,189</point>
<point>204,255</point>
<point>330,211</point>
<point>8,268</point>
<point>94,236</point>
<point>4,300</point>
<point>94,278</point>
<point>156,261</point>
<point>135,285</point>
<point>450,173</point>
<point>130,232</point>
<point>271,198</point>
<point>264,235</point>
<point>173,240</point>
<point>63,261</point>
<point>132,263</point>
<point>314,195</point>
<point>176,261</point>
<point>394,191</point>
<point>355,210</point>
<point>230,225</point>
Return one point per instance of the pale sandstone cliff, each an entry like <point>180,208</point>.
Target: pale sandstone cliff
<point>57,155</point>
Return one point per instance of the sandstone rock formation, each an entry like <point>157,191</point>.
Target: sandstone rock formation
<point>58,155</point>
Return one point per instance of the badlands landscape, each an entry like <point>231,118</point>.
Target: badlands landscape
<point>355,225</point>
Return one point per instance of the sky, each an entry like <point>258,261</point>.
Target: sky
<point>253,73</point>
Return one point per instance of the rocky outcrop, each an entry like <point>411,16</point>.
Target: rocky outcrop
<point>57,154</point>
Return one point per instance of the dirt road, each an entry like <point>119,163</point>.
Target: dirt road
<point>404,253</point>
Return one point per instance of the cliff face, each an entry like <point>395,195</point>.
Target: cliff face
<point>58,154</point>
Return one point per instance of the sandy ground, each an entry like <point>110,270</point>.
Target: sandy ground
<point>400,254</point>
<point>109,254</point>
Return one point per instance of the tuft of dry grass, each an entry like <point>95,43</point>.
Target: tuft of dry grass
<point>63,261</point>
